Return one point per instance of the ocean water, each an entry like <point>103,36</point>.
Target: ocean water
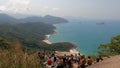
<point>86,35</point>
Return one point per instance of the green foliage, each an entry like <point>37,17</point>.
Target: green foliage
<point>26,31</point>
<point>4,44</point>
<point>63,46</point>
<point>94,57</point>
<point>31,35</point>
<point>112,48</point>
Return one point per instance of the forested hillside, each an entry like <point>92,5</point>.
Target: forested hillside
<point>31,35</point>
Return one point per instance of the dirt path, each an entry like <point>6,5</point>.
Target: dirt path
<point>113,62</point>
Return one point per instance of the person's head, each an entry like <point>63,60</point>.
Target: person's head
<point>83,56</point>
<point>53,55</point>
<point>38,52</point>
<point>89,57</point>
<point>49,57</point>
<point>64,54</point>
<point>71,55</point>
<point>78,53</point>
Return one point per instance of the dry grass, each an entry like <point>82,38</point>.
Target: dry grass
<point>16,58</point>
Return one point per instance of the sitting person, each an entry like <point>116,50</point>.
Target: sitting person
<point>99,59</point>
<point>89,60</point>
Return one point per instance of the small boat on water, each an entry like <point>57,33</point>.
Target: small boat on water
<point>102,23</point>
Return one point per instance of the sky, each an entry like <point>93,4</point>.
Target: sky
<point>99,9</point>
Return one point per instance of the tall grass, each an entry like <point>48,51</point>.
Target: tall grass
<point>16,58</point>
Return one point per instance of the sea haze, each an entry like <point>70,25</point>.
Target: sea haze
<point>87,35</point>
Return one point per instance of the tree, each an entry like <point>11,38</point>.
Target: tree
<point>112,48</point>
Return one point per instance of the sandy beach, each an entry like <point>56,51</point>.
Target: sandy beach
<point>46,39</point>
<point>71,51</point>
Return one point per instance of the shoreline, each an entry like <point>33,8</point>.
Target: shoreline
<point>47,36</point>
<point>71,51</point>
<point>46,39</point>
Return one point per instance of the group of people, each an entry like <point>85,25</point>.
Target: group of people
<point>66,61</point>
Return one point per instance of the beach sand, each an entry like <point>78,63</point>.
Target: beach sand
<point>46,39</point>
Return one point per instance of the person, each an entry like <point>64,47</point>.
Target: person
<point>64,60</point>
<point>54,60</point>
<point>75,58</point>
<point>48,63</point>
<point>82,62</point>
<point>69,63</point>
<point>99,59</point>
<point>89,60</point>
<point>78,58</point>
<point>60,64</point>
<point>39,55</point>
<point>43,54</point>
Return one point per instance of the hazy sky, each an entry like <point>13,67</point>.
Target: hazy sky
<point>103,9</point>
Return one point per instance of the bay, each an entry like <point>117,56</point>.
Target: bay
<point>86,35</point>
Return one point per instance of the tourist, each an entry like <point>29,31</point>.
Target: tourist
<point>89,60</point>
<point>64,60</point>
<point>82,62</point>
<point>49,62</point>
<point>60,64</point>
<point>54,60</point>
<point>79,57</point>
<point>99,59</point>
<point>69,63</point>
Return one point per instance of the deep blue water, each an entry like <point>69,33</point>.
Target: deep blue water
<point>87,35</point>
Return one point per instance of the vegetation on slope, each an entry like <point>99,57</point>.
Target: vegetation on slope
<point>112,48</point>
<point>16,57</point>
<point>31,35</point>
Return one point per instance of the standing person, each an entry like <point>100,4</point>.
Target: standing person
<point>43,54</point>
<point>89,60</point>
<point>78,57</point>
<point>82,62</point>
<point>64,60</point>
<point>75,58</point>
<point>60,64</point>
<point>39,55</point>
<point>49,62</point>
<point>69,63</point>
<point>54,61</point>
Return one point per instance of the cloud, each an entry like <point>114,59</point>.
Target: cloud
<point>18,2</point>
<point>49,9</point>
<point>2,8</point>
<point>55,9</point>
<point>15,6</point>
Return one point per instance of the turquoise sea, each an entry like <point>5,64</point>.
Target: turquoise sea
<point>86,34</point>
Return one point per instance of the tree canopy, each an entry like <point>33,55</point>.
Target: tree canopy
<point>112,48</point>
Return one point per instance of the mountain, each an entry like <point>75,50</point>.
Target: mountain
<point>54,20</point>
<point>4,18</point>
<point>47,19</point>
<point>32,19</point>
